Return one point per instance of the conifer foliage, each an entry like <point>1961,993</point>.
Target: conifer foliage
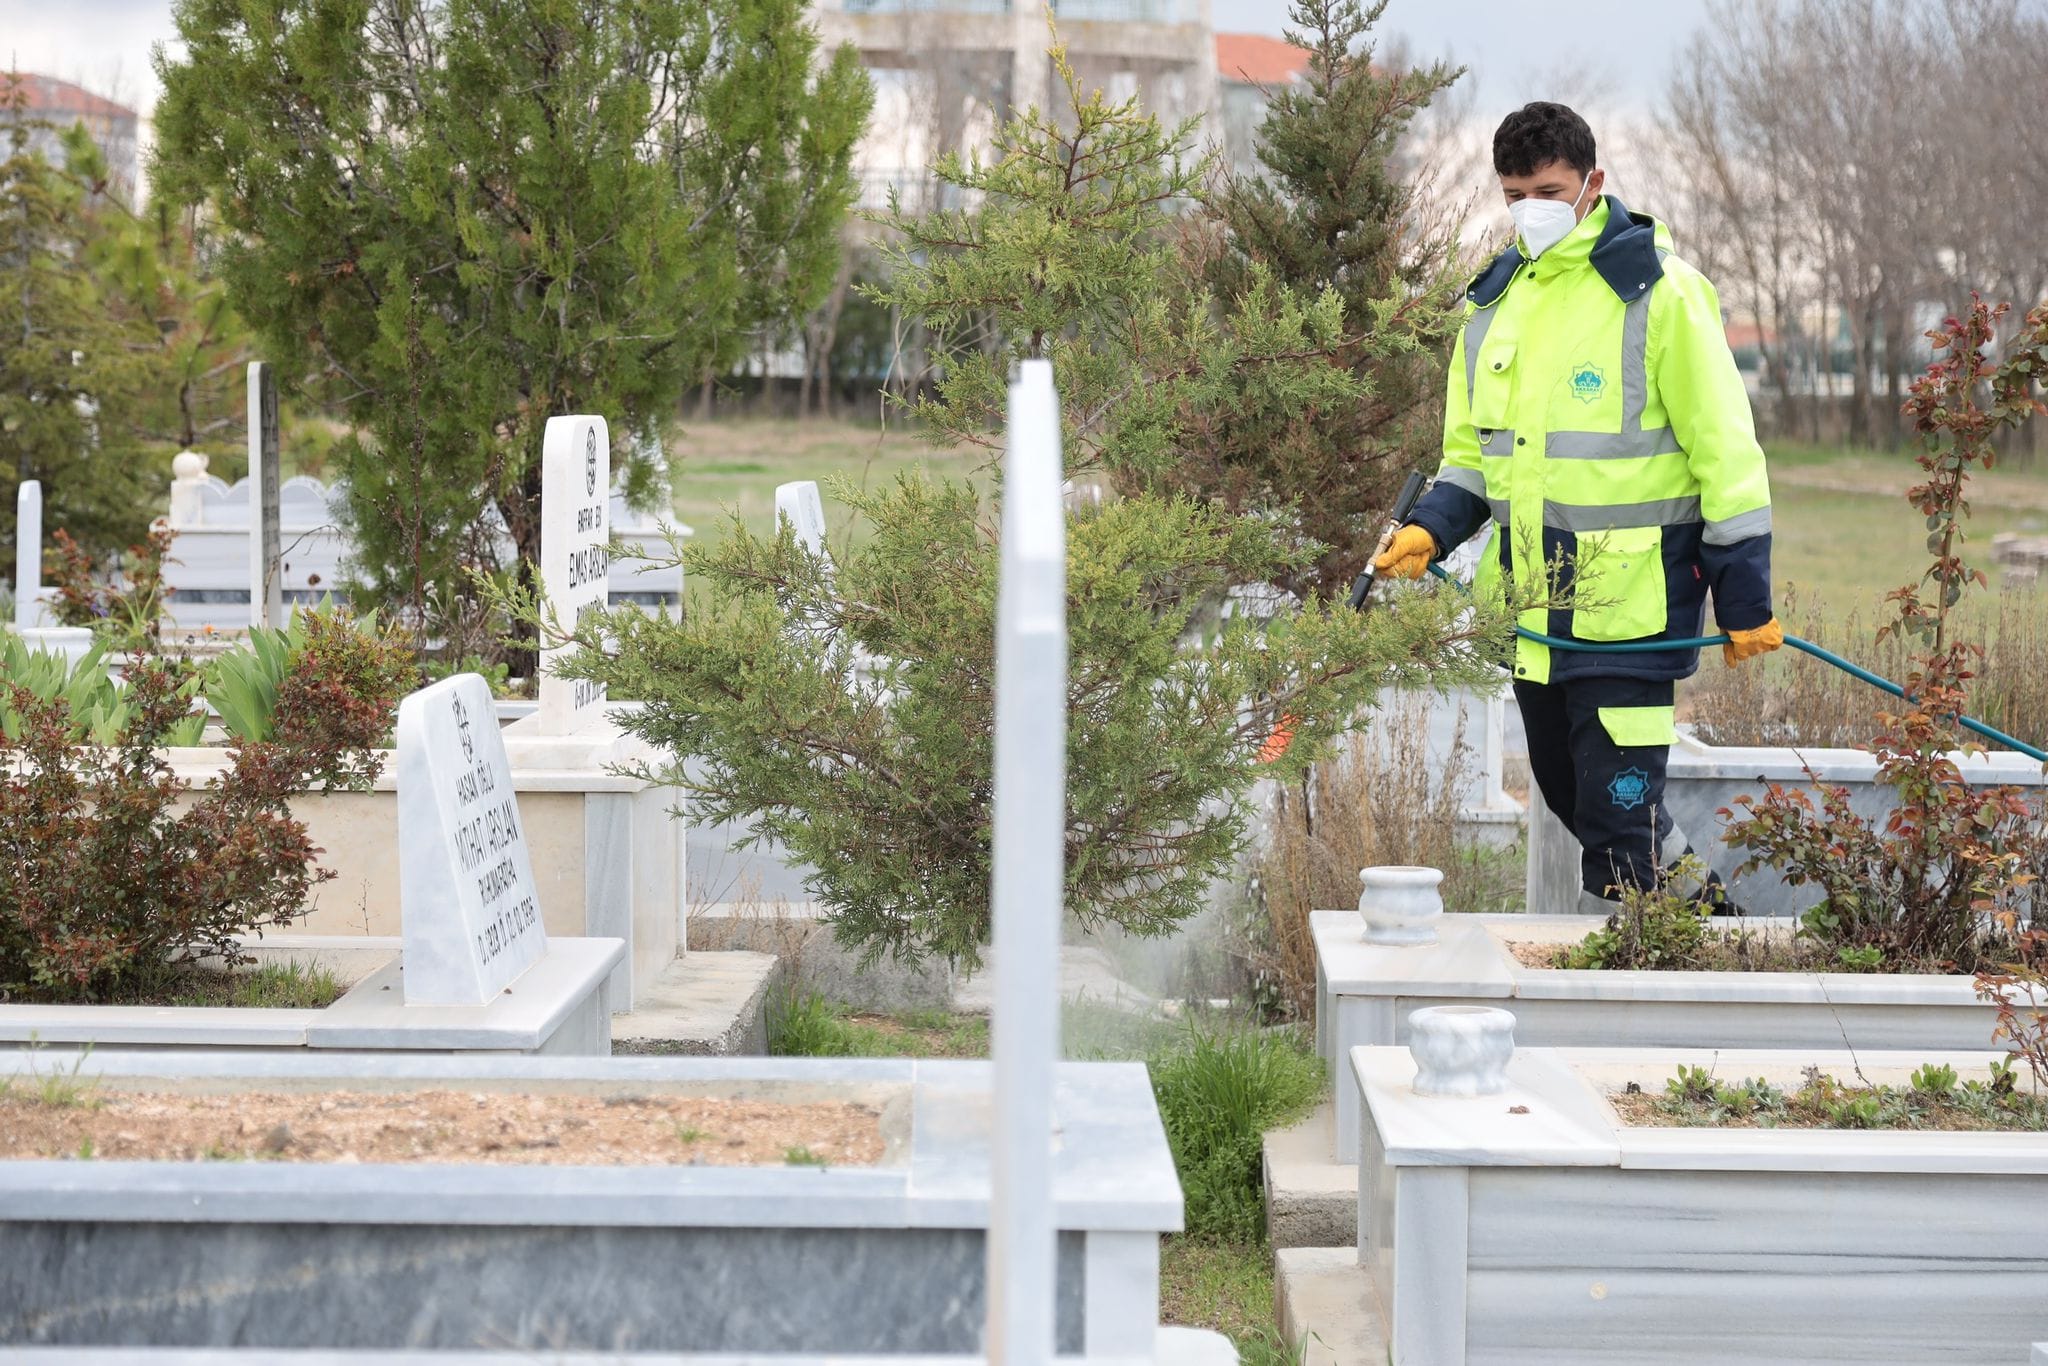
<point>73,363</point>
<point>464,217</point>
<point>1337,205</point>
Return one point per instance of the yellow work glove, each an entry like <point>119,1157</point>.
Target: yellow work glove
<point>1757,640</point>
<point>1408,555</point>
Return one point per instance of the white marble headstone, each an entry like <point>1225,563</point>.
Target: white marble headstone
<point>1029,873</point>
<point>798,504</point>
<point>466,895</point>
<point>575,531</point>
<point>266,541</point>
<point>28,554</point>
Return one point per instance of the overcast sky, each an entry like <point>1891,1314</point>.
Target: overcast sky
<point>1517,50</point>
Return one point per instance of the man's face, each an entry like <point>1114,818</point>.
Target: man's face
<point>1558,181</point>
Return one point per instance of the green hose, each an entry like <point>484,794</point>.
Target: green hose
<point>1701,642</point>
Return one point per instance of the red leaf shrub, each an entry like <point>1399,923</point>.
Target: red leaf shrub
<point>1919,884</point>
<point>106,885</point>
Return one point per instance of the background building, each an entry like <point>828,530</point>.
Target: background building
<point>61,104</point>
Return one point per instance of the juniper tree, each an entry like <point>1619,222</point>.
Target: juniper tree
<point>462,217</point>
<point>1332,206</point>
<point>150,263</point>
<point>1068,248</point>
<point>72,364</point>
<point>848,711</point>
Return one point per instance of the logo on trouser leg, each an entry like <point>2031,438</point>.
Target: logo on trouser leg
<point>1629,788</point>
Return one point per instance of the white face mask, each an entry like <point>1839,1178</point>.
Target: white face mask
<point>1543,223</point>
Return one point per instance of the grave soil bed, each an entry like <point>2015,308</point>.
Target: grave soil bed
<point>2003,1104</point>
<point>1734,949</point>
<point>68,1119</point>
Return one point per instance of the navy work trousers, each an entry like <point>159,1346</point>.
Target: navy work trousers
<point>1609,795</point>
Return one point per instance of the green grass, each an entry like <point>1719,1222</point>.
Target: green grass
<point>278,986</point>
<point>1227,1287</point>
<point>1842,527</point>
<point>718,467</point>
<point>1219,1091</point>
<point>809,1026</point>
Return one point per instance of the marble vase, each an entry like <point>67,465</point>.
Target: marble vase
<point>1400,905</point>
<point>1461,1050</point>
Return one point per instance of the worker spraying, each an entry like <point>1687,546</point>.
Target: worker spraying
<point>1594,412</point>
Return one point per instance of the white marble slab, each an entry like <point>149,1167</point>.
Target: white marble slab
<point>1698,1245</point>
<point>377,1014</point>
<point>1465,961</point>
<point>1548,1116</point>
<point>1112,1173</point>
<point>798,504</point>
<point>1610,1267</point>
<point>155,1026</point>
<point>470,910</point>
<point>1366,992</point>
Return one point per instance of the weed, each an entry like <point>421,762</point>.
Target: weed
<point>1665,926</point>
<point>61,1088</point>
<point>1935,1080</point>
<point>1218,1092</point>
<point>290,985</point>
<point>687,1134</point>
<point>800,1156</point>
<point>85,1149</point>
<point>807,1025</point>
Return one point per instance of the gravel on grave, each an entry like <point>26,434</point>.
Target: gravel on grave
<point>440,1126</point>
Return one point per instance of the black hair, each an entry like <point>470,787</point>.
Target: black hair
<point>1536,135</point>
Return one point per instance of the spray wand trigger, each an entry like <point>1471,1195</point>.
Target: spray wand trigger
<point>1411,494</point>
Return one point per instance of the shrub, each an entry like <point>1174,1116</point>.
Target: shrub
<point>2019,990</point>
<point>1218,1094</point>
<point>1663,926</point>
<point>125,608</point>
<point>849,713</point>
<point>103,883</point>
<point>1917,884</point>
<point>107,886</point>
<point>327,684</point>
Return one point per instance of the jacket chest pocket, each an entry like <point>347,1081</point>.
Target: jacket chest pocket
<point>1618,584</point>
<point>1493,382</point>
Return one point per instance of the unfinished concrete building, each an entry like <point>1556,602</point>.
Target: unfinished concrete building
<point>948,71</point>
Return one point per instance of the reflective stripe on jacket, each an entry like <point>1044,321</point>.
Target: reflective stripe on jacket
<point>1595,414</point>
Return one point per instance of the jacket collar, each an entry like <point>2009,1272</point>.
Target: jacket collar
<point>1622,246</point>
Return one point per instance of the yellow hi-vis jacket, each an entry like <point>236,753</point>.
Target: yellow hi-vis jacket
<point>1596,416</point>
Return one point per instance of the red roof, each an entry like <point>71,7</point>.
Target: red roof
<point>48,95</point>
<point>1255,59</point>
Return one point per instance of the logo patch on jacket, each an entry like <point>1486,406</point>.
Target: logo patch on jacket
<point>1588,383</point>
<point>1629,788</point>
